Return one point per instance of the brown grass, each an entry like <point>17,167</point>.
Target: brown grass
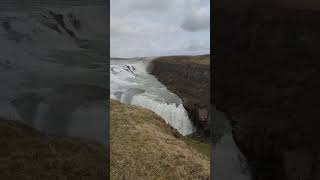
<point>142,146</point>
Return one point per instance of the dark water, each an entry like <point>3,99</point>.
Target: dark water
<point>227,162</point>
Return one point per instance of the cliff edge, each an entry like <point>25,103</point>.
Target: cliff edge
<point>143,146</point>
<point>189,78</point>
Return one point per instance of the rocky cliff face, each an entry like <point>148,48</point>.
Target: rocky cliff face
<point>266,79</point>
<point>188,77</point>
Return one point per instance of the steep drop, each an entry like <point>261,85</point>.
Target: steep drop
<point>131,83</point>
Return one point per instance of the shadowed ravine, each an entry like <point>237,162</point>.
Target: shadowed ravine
<point>266,81</point>
<point>228,163</point>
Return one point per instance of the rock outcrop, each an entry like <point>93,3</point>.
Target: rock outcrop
<point>266,79</point>
<point>189,78</point>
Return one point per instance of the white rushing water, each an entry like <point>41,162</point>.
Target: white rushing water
<point>130,83</point>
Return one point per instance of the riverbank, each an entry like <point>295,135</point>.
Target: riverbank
<point>189,78</point>
<point>143,146</point>
<point>29,154</point>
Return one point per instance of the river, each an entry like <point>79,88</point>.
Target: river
<point>227,161</point>
<point>131,83</point>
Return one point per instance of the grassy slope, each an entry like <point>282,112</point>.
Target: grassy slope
<point>28,154</point>
<point>144,147</point>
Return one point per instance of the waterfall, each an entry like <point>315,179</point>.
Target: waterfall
<point>130,83</point>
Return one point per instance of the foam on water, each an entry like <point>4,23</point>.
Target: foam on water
<point>131,83</point>
<point>174,115</point>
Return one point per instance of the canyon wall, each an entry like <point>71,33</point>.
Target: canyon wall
<point>189,78</point>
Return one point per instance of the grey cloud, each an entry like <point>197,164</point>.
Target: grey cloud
<point>197,20</point>
<point>154,6</point>
<point>152,27</point>
<point>194,25</point>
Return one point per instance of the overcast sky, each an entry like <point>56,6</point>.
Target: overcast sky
<point>159,27</point>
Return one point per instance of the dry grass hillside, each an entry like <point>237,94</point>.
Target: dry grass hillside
<point>142,146</point>
<point>28,154</point>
